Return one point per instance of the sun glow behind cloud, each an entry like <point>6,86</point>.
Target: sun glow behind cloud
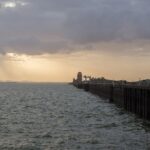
<point>9,4</point>
<point>39,68</point>
<point>63,67</point>
<point>12,4</point>
<point>17,57</point>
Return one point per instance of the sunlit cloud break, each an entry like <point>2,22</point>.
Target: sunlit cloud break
<point>12,4</point>
<point>9,5</point>
<point>17,57</point>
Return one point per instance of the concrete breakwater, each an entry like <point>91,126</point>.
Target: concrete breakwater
<point>135,99</point>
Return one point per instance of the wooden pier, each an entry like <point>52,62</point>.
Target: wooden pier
<point>135,99</point>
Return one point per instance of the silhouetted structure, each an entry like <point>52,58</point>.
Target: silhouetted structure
<point>133,96</point>
<point>79,77</point>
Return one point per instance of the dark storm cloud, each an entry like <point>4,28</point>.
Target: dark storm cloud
<point>48,26</point>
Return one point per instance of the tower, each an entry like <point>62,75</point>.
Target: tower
<point>79,77</point>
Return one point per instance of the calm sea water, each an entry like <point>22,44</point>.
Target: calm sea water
<point>61,117</point>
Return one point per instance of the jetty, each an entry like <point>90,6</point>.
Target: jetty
<point>132,96</point>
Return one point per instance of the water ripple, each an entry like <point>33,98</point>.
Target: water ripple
<point>61,117</point>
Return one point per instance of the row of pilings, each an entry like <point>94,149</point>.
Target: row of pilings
<point>135,99</point>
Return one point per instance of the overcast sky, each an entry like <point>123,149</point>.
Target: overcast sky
<point>113,27</point>
<point>51,26</point>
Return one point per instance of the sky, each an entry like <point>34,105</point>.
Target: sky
<point>51,40</point>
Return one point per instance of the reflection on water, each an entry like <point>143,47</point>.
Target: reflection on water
<point>61,117</point>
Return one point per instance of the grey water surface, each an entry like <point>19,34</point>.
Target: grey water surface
<point>61,117</point>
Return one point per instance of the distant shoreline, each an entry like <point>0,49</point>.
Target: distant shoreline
<point>31,82</point>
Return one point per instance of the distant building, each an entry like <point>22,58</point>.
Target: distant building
<point>79,77</point>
